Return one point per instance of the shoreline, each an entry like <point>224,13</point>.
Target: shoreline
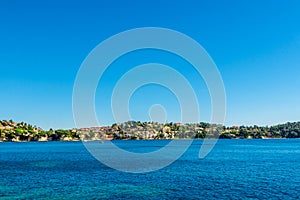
<point>11,131</point>
<point>62,141</point>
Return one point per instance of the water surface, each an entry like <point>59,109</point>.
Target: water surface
<point>235,169</point>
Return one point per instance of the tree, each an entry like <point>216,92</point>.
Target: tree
<point>244,133</point>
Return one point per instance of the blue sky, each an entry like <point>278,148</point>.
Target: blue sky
<point>255,44</point>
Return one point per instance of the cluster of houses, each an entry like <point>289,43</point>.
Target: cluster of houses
<point>142,131</point>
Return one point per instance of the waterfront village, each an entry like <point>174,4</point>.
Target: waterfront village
<point>11,131</point>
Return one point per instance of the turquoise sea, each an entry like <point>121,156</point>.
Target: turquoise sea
<point>235,169</point>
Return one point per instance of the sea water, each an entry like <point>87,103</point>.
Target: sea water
<point>235,169</point>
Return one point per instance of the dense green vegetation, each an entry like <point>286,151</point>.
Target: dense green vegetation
<point>135,130</point>
<point>131,130</point>
<point>287,130</point>
<point>13,131</point>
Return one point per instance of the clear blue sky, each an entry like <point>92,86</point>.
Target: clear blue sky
<point>255,44</point>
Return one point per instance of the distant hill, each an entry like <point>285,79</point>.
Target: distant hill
<point>136,130</point>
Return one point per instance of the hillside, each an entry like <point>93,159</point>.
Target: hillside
<point>15,132</point>
<point>135,130</point>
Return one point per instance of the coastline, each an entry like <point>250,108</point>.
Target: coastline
<point>64,141</point>
<point>135,130</point>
